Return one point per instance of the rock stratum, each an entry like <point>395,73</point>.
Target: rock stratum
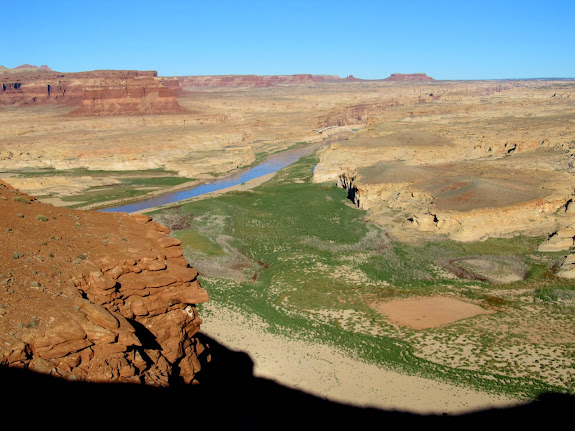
<point>96,297</point>
<point>256,81</point>
<point>134,96</point>
<point>100,92</point>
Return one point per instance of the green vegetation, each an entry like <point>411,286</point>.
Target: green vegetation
<point>32,324</point>
<point>128,188</point>
<point>78,172</point>
<point>295,254</point>
<point>196,241</point>
<point>131,185</point>
<point>20,199</point>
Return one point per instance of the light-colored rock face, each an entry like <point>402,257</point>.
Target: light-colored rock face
<point>502,165</point>
<point>567,268</point>
<point>562,240</point>
<point>59,184</point>
<point>466,201</point>
<point>94,296</point>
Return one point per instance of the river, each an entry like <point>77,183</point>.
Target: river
<point>271,165</point>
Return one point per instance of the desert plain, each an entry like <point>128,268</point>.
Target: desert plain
<point>422,259</point>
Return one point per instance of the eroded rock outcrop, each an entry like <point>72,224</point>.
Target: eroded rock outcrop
<point>355,114</point>
<point>100,92</point>
<point>567,268</point>
<point>140,95</point>
<point>561,240</point>
<point>417,184</point>
<point>95,296</point>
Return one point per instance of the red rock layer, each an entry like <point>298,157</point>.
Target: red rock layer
<point>409,77</point>
<point>31,67</point>
<point>101,92</point>
<point>252,80</point>
<point>97,297</point>
<point>139,95</point>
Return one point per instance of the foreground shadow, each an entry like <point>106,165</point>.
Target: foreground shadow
<point>229,396</point>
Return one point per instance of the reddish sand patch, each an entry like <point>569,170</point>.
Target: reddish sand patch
<point>428,312</point>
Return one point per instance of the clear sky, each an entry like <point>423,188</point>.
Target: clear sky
<point>465,39</point>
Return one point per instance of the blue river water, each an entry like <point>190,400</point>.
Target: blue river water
<point>273,164</point>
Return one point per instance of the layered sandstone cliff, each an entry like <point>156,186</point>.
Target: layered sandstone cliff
<point>100,92</point>
<point>95,296</point>
<point>141,95</point>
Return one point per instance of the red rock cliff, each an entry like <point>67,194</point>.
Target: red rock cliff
<point>100,92</point>
<point>140,95</point>
<point>95,296</point>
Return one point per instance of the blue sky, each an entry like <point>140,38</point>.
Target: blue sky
<point>367,38</point>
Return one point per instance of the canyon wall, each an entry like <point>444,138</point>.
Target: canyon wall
<point>133,96</point>
<point>100,92</point>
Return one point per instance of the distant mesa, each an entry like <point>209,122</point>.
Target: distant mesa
<point>272,80</point>
<point>26,66</point>
<point>135,96</point>
<point>409,77</point>
<point>32,67</point>
<point>134,92</point>
<point>25,69</point>
<point>351,78</point>
<point>98,92</point>
<point>257,81</point>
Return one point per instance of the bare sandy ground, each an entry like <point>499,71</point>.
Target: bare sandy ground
<point>423,313</point>
<point>326,372</point>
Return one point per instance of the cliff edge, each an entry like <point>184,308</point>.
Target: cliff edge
<point>98,297</point>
